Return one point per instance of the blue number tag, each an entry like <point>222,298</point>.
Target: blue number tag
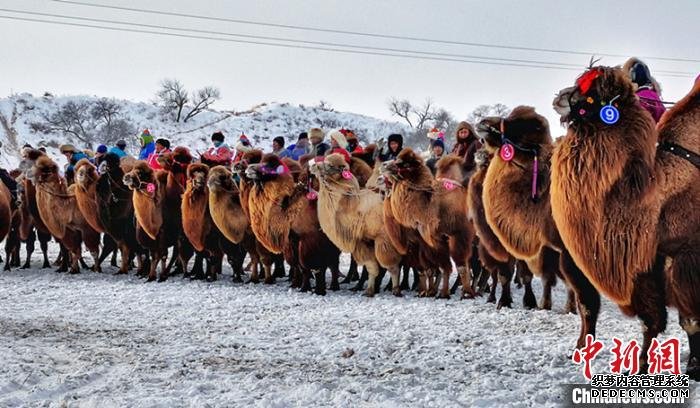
<point>609,114</point>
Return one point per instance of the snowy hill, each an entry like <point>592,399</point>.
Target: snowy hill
<point>23,119</point>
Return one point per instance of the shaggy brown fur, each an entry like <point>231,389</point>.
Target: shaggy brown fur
<point>157,213</point>
<point>679,221</point>
<point>227,214</point>
<point>606,202</point>
<point>199,228</point>
<point>5,211</point>
<point>492,254</point>
<point>283,218</point>
<point>59,212</point>
<point>440,215</point>
<point>353,220</point>
<point>522,223</point>
<point>266,257</point>
<point>361,170</point>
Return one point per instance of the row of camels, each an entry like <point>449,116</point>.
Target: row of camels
<point>608,208</point>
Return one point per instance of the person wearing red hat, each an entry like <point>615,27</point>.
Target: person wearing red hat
<point>242,147</point>
<point>353,143</point>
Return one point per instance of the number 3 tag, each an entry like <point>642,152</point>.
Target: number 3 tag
<point>609,114</point>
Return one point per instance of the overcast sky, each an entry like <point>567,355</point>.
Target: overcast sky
<point>39,57</point>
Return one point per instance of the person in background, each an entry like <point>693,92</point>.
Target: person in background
<point>278,147</point>
<point>466,144</point>
<point>244,146</point>
<point>100,152</point>
<point>318,146</point>
<point>301,147</point>
<point>353,143</point>
<point>437,150</point>
<point>338,145</point>
<point>219,154</point>
<point>73,156</point>
<point>648,90</point>
<point>393,148</point>
<point>148,146</point>
<point>119,149</point>
<point>162,146</point>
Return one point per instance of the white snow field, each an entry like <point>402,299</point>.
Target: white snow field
<point>98,340</point>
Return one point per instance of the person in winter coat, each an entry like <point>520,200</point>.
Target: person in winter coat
<point>301,147</point>
<point>148,146</point>
<point>648,90</point>
<point>466,144</point>
<point>162,147</point>
<point>353,143</point>
<point>278,148</point>
<point>219,153</point>
<point>242,147</point>
<point>318,146</point>
<point>437,147</point>
<point>393,148</point>
<point>338,145</point>
<point>100,152</point>
<point>119,149</point>
<point>73,156</point>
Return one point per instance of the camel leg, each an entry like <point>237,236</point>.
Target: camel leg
<point>550,267</point>
<point>361,281</point>
<point>465,276</point>
<point>494,285</point>
<point>44,245</point>
<point>529,299</point>
<point>372,275</point>
<point>164,270</point>
<point>405,278</point>
<point>270,274</point>
<point>423,283</point>
<point>29,246</point>
<point>216,261</point>
<point>416,280</point>
<point>335,274</point>
<point>64,257</point>
<point>197,272</point>
<point>279,268</point>
<point>394,272</point>
<point>320,278</point>
<point>649,303</point>
<point>692,328</point>
<point>126,259</point>
<point>570,306</point>
<point>113,261</point>
<point>352,272</point>
<point>587,297</point>
<point>305,280</point>
<point>505,275</point>
<point>155,261</point>
<point>378,280</point>
<point>455,285</point>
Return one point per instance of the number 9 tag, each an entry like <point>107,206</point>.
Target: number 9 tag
<point>609,114</point>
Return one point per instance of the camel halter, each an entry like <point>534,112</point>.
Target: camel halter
<point>507,153</point>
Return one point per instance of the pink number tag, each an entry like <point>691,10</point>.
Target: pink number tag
<point>151,188</point>
<point>346,174</point>
<point>507,152</point>
<point>311,195</point>
<point>449,186</point>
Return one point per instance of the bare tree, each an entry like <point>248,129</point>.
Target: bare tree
<point>401,108</point>
<point>423,113</point>
<point>106,110</point>
<point>72,118</point>
<point>483,111</point>
<point>172,97</point>
<point>203,99</point>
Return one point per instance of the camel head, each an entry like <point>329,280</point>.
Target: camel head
<point>45,170</point>
<point>85,174</point>
<point>250,157</point>
<point>523,130</point>
<point>110,163</point>
<point>221,179</point>
<point>140,176</point>
<point>407,166</point>
<point>482,157</point>
<point>334,171</point>
<point>270,168</point>
<point>452,167</point>
<point>177,160</point>
<point>27,163</point>
<point>197,175</point>
<point>594,89</point>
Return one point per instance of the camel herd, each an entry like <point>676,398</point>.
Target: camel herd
<point>609,208</point>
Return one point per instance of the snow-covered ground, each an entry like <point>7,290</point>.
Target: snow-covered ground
<point>98,340</point>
